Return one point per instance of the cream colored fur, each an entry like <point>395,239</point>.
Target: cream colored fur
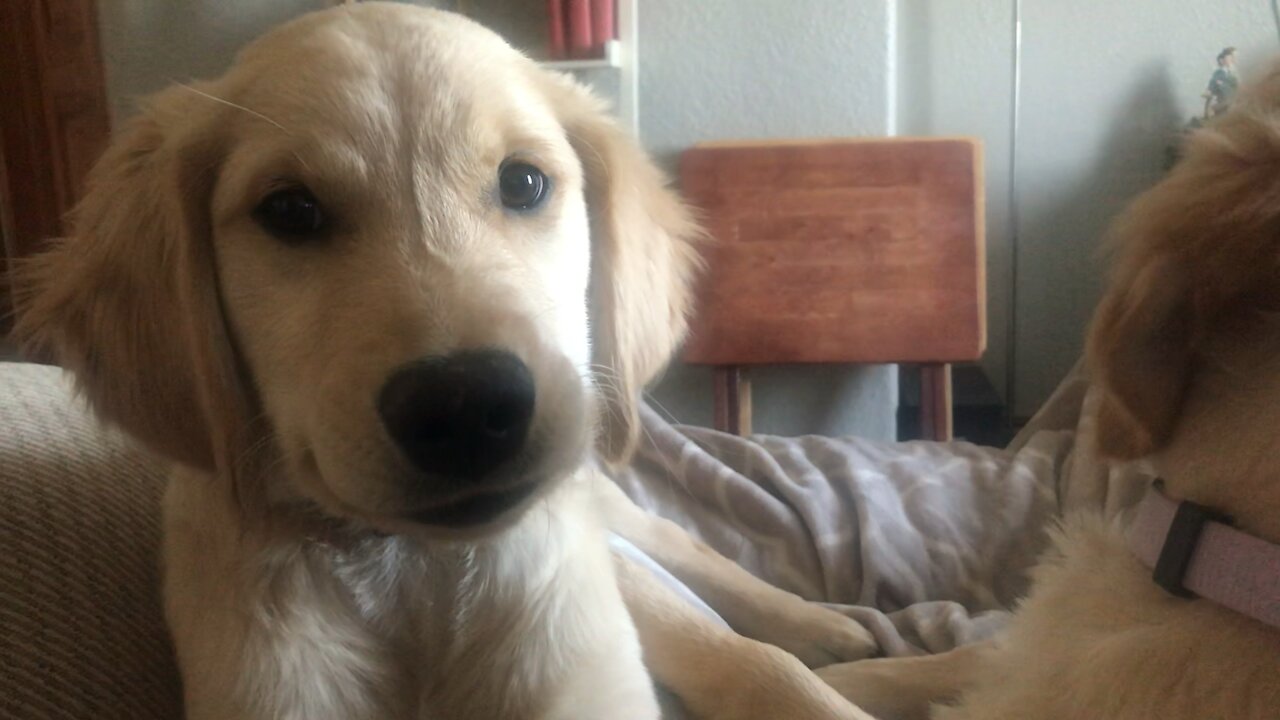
<point>296,589</point>
<point>1186,345</point>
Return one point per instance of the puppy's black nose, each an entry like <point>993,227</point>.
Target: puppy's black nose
<point>461,415</point>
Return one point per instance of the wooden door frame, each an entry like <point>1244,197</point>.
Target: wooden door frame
<point>54,120</point>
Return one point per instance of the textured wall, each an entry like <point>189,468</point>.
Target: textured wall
<point>1104,84</point>
<point>713,69</point>
<point>954,75</point>
<point>716,69</point>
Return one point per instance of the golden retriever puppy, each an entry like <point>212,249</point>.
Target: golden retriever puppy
<point>386,295</point>
<point>1186,347</point>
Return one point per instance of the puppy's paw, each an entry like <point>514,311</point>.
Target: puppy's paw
<point>819,636</point>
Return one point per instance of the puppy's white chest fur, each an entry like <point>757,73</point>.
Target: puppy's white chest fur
<point>273,624</point>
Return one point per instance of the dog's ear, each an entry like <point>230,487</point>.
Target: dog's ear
<point>1191,254</point>
<point>129,302</point>
<point>1139,350</point>
<point>644,258</point>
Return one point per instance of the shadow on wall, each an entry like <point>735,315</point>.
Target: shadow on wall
<point>1065,233</point>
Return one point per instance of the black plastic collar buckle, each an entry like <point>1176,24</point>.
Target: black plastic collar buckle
<point>1180,544</point>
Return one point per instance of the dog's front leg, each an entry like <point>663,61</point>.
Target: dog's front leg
<point>816,635</point>
<point>716,673</point>
<point>907,688</point>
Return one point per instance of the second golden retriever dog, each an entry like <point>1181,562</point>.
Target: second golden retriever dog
<point>1186,349</point>
<point>386,295</point>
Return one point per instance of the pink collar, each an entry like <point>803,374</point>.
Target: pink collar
<point>1195,552</point>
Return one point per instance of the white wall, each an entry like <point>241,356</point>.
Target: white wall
<point>720,69</point>
<point>1104,85</point>
<point>1105,82</point>
<point>955,73</point>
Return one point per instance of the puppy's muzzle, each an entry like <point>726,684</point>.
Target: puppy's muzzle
<point>462,416</point>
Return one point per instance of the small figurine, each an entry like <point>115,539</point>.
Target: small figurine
<point>1217,100</point>
<point>1222,86</point>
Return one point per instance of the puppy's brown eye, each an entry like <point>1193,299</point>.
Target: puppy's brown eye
<point>290,214</point>
<point>521,185</point>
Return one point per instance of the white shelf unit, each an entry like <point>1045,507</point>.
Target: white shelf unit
<point>612,59</point>
<point>620,57</point>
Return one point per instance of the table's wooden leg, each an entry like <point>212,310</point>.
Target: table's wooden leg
<point>935,402</point>
<point>721,380</point>
<point>732,399</point>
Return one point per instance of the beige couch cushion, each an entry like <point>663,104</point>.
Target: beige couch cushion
<point>81,630</point>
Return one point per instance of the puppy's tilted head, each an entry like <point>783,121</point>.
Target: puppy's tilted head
<point>385,258</point>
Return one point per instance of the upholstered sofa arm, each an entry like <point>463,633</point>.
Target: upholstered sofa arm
<point>81,630</point>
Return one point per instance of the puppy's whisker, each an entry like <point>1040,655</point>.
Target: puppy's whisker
<point>228,103</point>
<point>605,378</point>
<point>547,529</point>
<point>669,416</point>
<point>608,377</point>
<point>599,158</point>
<point>241,462</point>
<point>674,478</point>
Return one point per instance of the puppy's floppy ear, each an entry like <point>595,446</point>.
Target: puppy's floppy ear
<point>1192,253</point>
<point>129,303</point>
<point>644,258</point>
<point>1139,349</point>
